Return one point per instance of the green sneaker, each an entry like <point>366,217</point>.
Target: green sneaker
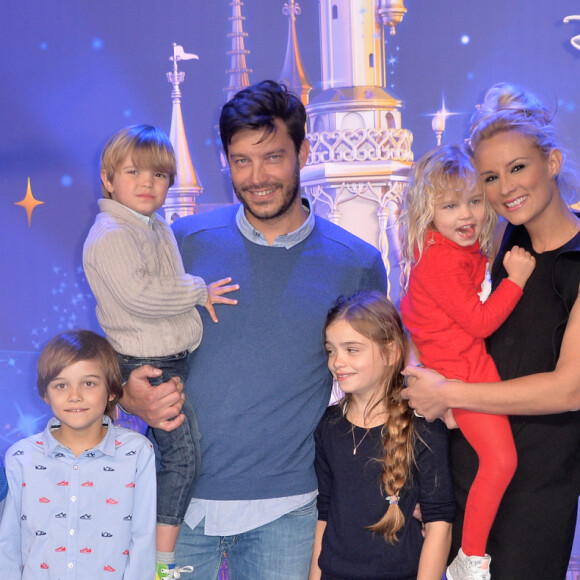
<point>170,571</point>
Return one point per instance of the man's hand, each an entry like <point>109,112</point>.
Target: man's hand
<point>155,405</point>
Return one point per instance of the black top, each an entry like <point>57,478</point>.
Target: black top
<point>540,502</point>
<point>350,499</point>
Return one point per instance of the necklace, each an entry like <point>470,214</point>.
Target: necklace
<point>354,443</point>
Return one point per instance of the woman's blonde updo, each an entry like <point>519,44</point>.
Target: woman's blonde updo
<point>508,108</point>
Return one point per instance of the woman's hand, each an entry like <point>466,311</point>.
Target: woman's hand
<point>425,392</point>
<point>449,420</point>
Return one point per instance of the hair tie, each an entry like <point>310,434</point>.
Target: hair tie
<point>392,499</point>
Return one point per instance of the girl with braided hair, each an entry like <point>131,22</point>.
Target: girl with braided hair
<point>375,460</point>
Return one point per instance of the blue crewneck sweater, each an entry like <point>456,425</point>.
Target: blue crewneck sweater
<point>259,380</point>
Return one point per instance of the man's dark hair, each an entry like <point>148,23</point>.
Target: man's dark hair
<point>257,107</point>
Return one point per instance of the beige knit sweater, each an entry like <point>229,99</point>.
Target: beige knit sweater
<point>145,300</point>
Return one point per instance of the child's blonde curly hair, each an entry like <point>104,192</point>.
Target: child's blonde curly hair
<point>448,168</point>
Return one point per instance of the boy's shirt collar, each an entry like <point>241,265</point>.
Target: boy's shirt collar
<point>146,219</point>
<point>52,447</point>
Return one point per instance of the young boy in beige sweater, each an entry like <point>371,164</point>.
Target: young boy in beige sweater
<point>146,304</point>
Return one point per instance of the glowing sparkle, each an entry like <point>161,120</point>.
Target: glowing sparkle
<point>26,424</point>
<point>465,39</point>
<point>29,203</point>
<point>392,60</point>
<point>439,121</point>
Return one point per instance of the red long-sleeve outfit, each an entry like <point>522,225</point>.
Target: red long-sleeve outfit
<point>448,322</point>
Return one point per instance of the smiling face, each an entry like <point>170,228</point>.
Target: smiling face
<point>459,215</point>
<point>78,397</point>
<point>517,176</point>
<point>266,177</point>
<point>140,189</point>
<point>356,362</point>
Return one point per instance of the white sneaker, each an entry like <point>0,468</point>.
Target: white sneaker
<point>469,567</point>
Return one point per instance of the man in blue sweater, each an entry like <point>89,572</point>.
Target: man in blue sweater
<point>259,379</point>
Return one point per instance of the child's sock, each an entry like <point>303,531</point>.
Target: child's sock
<point>165,557</point>
<point>165,563</point>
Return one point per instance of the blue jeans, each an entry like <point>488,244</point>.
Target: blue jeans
<point>178,452</point>
<point>280,550</point>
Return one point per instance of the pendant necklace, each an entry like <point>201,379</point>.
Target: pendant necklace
<point>354,443</point>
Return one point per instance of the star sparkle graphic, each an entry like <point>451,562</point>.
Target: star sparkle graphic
<point>439,120</point>
<point>29,203</point>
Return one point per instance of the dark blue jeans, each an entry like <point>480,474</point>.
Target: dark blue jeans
<point>178,452</point>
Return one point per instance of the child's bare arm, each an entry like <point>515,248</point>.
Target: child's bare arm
<point>315,572</point>
<point>519,265</point>
<point>435,550</point>
<point>215,295</point>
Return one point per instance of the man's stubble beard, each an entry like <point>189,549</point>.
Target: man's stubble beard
<point>288,198</point>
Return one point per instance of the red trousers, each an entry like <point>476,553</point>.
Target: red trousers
<point>491,438</point>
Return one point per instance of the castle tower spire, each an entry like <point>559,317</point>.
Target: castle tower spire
<point>293,75</point>
<point>360,154</point>
<point>181,197</point>
<point>238,72</point>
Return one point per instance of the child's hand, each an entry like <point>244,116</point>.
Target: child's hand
<point>519,265</point>
<point>215,292</point>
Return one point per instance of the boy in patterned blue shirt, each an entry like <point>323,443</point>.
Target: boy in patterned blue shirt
<point>81,497</point>
<point>3,488</point>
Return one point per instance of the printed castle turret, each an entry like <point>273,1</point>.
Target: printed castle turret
<point>293,74</point>
<point>181,197</point>
<point>360,155</point>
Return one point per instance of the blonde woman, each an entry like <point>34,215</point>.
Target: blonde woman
<point>536,350</point>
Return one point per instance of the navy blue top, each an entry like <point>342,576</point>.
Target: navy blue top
<point>259,381</point>
<point>351,498</point>
<point>541,499</point>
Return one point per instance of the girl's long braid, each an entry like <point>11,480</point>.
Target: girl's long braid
<point>397,438</point>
